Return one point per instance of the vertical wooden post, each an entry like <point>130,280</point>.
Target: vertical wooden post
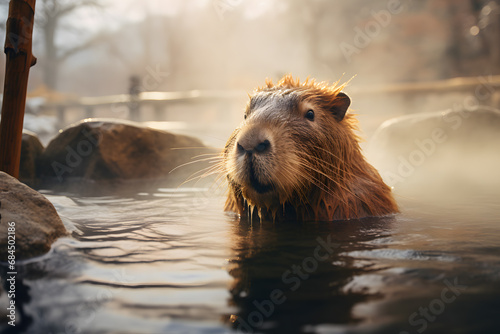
<point>134,104</point>
<point>18,42</point>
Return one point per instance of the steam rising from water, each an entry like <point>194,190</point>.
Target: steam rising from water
<point>441,156</point>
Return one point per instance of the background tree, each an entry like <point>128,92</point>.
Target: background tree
<point>51,20</point>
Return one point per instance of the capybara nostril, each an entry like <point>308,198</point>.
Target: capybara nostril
<point>241,149</point>
<point>263,146</point>
<point>253,140</point>
<point>250,148</point>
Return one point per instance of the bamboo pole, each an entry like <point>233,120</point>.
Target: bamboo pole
<point>18,42</point>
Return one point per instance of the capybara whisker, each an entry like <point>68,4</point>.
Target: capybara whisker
<point>193,148</point>
<point>210,160</point>
<point>216,168</point>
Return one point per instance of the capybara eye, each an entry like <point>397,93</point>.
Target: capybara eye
<point>245,116</point>
<point>310,115</point>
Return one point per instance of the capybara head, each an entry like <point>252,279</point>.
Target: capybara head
<point>296,155</point>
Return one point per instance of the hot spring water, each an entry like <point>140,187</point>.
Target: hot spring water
<point>171,261</point>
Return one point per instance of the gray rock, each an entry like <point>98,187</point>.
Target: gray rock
<point>439,151</point>
<point>37,224</point>
<point>31,151</point>
<point>103,149</point>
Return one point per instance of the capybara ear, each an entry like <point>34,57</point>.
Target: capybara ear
<point>340,105</point>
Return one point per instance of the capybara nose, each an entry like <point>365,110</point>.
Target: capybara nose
<point>262,147</point>
<point>252,147</point>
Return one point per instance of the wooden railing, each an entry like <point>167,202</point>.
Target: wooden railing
<point>160,101</point>
<point>463,84</point>
<point>484,86</point>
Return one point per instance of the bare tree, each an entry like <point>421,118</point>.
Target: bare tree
<point>4,11</point>
<point>50,16</point>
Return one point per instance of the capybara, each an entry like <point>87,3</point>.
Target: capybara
<point>296,156</point>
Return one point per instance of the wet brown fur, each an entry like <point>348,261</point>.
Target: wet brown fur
<point>315,168</point>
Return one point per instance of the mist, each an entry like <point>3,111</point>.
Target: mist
<point>150,242</point>
<point>401,57</point>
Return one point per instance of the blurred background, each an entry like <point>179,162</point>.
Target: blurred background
<point>187,66</point>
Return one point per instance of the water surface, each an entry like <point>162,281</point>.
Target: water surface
<point>171,261</point>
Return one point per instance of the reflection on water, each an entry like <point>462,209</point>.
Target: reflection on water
<point>171,261</point>
<point>307,266</point>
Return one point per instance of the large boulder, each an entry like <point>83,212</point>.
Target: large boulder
<point>104,149</point>
<point>28,220</point>
<point>31,151</point>
<point>453,149</point>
